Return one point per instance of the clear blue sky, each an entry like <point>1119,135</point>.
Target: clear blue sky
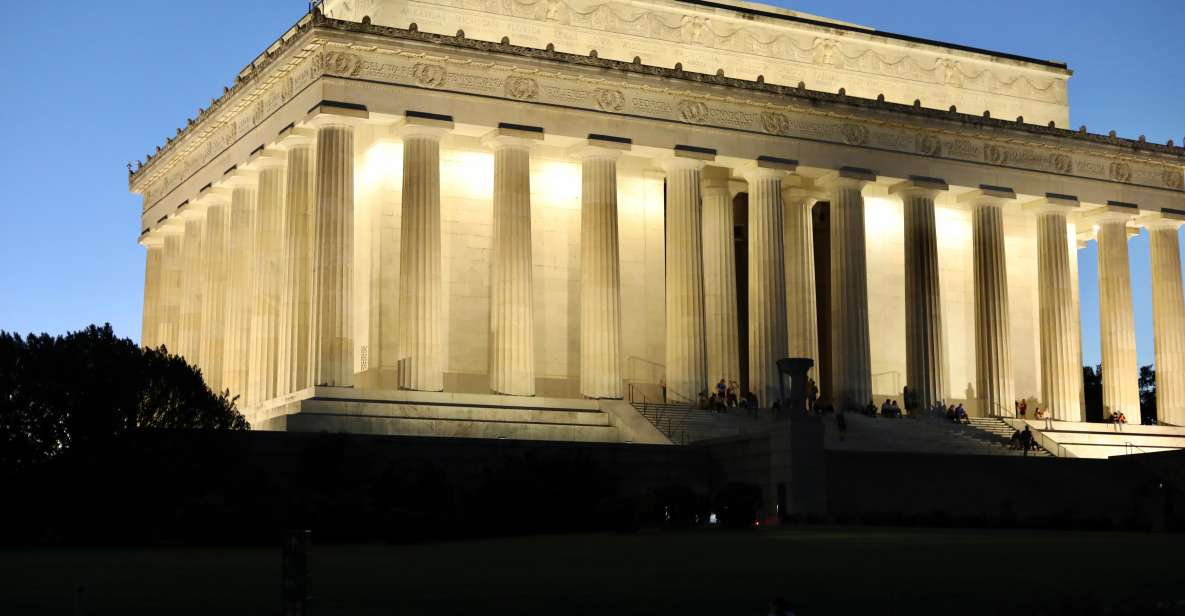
<point>92,85</point>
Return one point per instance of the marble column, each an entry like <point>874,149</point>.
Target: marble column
<point>296,263</point>
<point>686,352</point>
<point>421,344</point>
<point>331,350</point>
<point>1117,328</point>
<point>798,238</point>
<point>169,313</point>
<point>995,384</point>
<point>924,354</point>
<point>188,345</point>
<point>851,370</point>
<point>767,277</point>
<point>265,297</point>
<point>1168,316</point>
<point>600,269</point>
<point>721,326</point>
<point>214,290</point>
<point>149,327</point>
<point>512,323</point>
<point>1061,370</point>
<point>240,284</point>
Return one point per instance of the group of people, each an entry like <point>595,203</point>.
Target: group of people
<point>727,394</point>
<point>1022,440</point>
<point>888,409</point>
<point>956,413</point>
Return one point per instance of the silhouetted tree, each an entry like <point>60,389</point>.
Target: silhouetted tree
<point>1147,395</point>
<point>89,386</point>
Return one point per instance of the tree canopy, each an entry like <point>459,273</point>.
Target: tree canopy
<point>85,387</point>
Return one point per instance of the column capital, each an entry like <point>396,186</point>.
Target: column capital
<point>847,177</point>
<point>266,158</point>
<point>239,177</point>
<point>989,195</point>
<point>688,157</point>
<point>716,179</point>
<point>606,147</point>
<point>1113,212</point>
<point>919,186</point>
<point>1053,203</point>
<point>769,167</point>
<point>798,188</point>
<point>422,124</point>
<point>295,137</point>
<point>336,113</point>
<point>512,136</point>
<point>1165,219</point>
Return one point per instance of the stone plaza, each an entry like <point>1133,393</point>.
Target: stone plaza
<point>511,219</point>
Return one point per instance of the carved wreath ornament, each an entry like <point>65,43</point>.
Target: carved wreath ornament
<point>341,64</point>
<point>775,123</point>
<point>1121,172</point>
<point>1173,179</point>
<point>609,100</point>
<point>522,88</point>
<point>429,75</point>
<point>854,134</point>
<point>929,145</point>
<point>1061,163</point>
<point>693,111</point>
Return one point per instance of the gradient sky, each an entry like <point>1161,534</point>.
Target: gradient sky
<point>92,85</point>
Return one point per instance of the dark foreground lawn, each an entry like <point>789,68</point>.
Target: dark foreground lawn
<point>819,570</point>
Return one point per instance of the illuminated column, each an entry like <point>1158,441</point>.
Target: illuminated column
<point>993,346</point>
<point>421,364</point>
<point>923,305</point>
<point>296,264</point>
<point>600,268</point>
<point>1168,315</point>
<point>798,239</point>
<point>686,352</point>
<point>720,284</point>
<point>169,313</point>
<point>154,251</point>
<point>214,289</point>
<point>240,263</point>
<point>331,350</point>
<point>851,370</point>
<point>767,276</point>
<point>188,345</point>
<point>512,324</point>
<point>265,298</point>
<point>1121,374</point>
<point>1061,372</point>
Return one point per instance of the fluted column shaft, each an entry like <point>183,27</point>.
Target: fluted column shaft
<point>188,345</point>
<point>512,323</point>
<point>721,326</point>
<point>851,369</point>
<point>331,354</point>
<point>1168,322</point>
<point>152,296</point>
<point>767,283</point>
<point>1121,374</point>
<point>214,296</point>
<point>265,303</point>
<point>240,281</point>
<point>296,266</point>
<point>600,276</point>
<point>686,352</point>
<point>923,305</point>
<point>169,313</point>
<point>1061,374</point>
<point>421,364</point>
<point>993,346</point>
<point>798,239</point>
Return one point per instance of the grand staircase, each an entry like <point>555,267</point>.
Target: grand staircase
<point>683,424</point>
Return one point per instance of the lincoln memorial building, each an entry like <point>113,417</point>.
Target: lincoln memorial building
<point>526,219</point>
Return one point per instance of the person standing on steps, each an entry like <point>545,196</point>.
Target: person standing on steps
<point>842,424</point>
<point>662,385</point>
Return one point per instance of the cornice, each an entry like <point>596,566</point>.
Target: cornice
<point>314,31</point>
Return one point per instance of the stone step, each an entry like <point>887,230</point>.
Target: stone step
<point>442,412</point>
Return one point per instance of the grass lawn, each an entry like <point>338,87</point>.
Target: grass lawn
<point>819,570</point>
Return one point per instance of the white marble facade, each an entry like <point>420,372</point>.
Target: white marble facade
<point>345,108</point>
